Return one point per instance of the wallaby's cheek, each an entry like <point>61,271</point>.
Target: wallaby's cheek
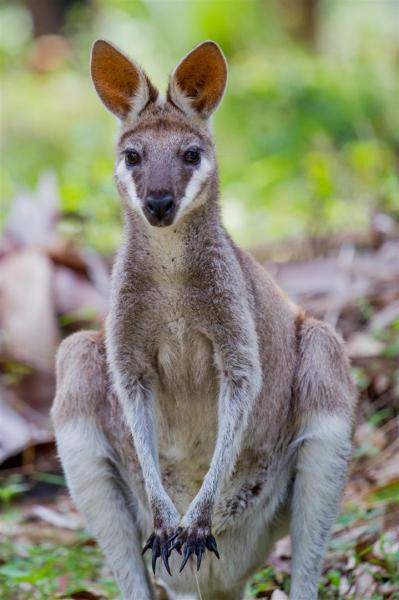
<point>181,179</point>
<point>195,186</point>
<point>127,186</point>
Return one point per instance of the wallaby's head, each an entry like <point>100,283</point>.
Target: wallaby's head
<point>165,155</point>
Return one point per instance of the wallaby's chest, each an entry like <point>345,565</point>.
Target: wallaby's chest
<point>185,362</point>
<point>184,354</point>
<point>186,392</point>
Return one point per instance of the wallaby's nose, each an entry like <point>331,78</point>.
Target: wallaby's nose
<point>160,206</point>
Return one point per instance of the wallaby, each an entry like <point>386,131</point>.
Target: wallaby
<point>212,416</point>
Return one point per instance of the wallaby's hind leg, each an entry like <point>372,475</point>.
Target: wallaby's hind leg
<point>87,459</point>
<point>325,409</point>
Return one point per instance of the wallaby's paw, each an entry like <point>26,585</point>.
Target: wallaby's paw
<point>159,543</point>
<point>192,541</point>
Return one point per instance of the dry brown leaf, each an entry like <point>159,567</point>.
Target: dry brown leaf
<point>364,582</point>
<point>27,317</point>
<point>363,345</point>
<point>38,533</point>
<point>54,518</point>
<point>89,594</point>
<point>33,215</point>
<point>366,433</point>
<point>21,426</point>
<point>279,595</point>
<point>384,317</point>
<point>73,293</point>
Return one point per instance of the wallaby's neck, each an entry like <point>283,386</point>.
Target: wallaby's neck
<point>171,251</point>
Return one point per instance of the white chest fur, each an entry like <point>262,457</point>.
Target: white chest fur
<point>187,393</point>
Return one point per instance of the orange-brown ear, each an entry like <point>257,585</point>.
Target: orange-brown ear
<point>197,85</point>
<point>122,86</point>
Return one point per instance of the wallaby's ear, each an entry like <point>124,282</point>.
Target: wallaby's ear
<point>122,86</point>
<point>197,84</point>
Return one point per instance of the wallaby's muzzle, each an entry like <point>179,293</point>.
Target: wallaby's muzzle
<point>159,208</point>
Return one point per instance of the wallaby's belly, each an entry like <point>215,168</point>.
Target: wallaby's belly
<point>187,391</point>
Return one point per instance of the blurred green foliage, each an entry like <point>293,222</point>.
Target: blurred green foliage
<point>308,139</point>
<point>45,568</point>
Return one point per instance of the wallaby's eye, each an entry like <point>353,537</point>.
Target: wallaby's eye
<point>132,158</point>
<point>192,156</point>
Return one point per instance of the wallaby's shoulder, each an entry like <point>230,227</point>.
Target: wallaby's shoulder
<point>267,295</point>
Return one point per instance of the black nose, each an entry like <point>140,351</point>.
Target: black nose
<point>160,205</point>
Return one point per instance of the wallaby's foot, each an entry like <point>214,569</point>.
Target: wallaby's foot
<point>159,543</point>
<point>195,541</point>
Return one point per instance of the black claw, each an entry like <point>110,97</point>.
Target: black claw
<point>165,557</point>
<point>155,554</point>
<point>149,543</point>
<point>191,546</point>
<point>173,537</point>
<point>199,551</point>
<point>160,547</point>
<point>176,546</point>
<point>212,546</point>
<point>188,550</point>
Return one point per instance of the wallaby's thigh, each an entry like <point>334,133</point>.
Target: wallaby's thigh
<point>91,464</point>
<point>325,402</point>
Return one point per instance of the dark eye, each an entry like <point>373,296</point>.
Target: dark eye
<point>132,158</point>
<point>192,156</point>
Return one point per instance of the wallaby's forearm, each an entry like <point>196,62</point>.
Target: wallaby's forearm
<point>237,394</point>
<point>137,401</point>
<point>240,377</point>
<point>234,408</point>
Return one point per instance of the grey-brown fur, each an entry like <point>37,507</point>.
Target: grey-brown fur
<point>212,404</point>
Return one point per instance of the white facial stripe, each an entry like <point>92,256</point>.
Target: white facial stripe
<point>127,180</point>
<point>194,186</point>
<point>192,190</point>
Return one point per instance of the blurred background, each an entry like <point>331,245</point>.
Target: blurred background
<point>308,145</point>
